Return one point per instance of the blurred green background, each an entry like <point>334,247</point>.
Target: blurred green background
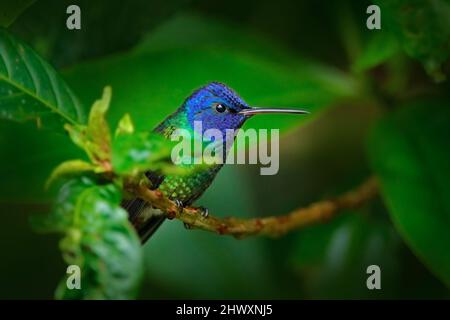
<point>317,55</point>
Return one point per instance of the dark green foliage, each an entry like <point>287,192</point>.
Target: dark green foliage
<point>147,57</point>
<point>409,151</point>
<point>11,9</point>
<point>31,90</point>
<point>423,30</point>
<point>111,25</point>
<point>99,239</point>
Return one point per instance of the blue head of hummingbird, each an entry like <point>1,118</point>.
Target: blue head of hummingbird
<point>215,106</point>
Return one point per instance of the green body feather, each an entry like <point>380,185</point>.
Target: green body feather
<point>185,188</point>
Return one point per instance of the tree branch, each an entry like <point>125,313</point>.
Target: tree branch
<point>317,212</point>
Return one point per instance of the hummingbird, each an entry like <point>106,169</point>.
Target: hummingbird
<point>216,106</point>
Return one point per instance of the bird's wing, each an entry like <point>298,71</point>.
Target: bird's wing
<point>142,215</point>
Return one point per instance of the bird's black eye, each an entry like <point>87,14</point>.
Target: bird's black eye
<point>220,108</point>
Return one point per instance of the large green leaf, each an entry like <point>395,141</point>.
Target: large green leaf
<point>157,84</point>
<point>196,31</point>
<point>153,81</point>
<point>98,239</point>
<point>11,9</point>
<point>30,90</point>
<point>409,152</point>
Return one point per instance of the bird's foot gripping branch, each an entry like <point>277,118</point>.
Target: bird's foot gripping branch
<point>97,234</point>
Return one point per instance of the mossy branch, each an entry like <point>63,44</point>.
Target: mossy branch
<point>317,212</point>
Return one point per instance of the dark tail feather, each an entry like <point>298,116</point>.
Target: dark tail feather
<point>150,227</point>
<point>144,217</point>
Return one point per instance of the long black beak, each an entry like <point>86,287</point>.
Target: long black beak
<point>253,111</point>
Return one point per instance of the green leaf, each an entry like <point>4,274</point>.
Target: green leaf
<point>30,90</point>
<point>68,168</point>
<point>61,218</point>
<point>150,84</point>
<point>95,137</point>
<point>97,129</point>
<point>332,258</point>
<point>44,27</point>
<point>26,169</point>
<point>134,153</point>
<point>409,152</point>
<point>99,239</point>
<point>125,125</point>
<point>188,31</point>
<point>11,9</point>
<point>422,28</point>
<point>195,31</point>
<point>381,46</point>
